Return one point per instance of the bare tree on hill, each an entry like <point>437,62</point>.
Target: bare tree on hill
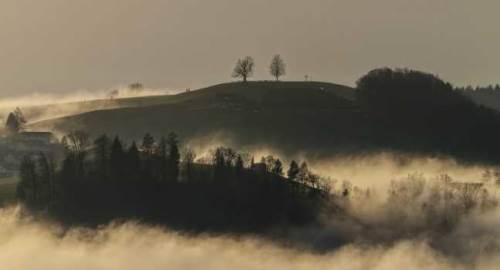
<point>277,68</point>
<point>244,68</point>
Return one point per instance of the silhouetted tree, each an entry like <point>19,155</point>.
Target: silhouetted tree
<point>277,68</point>
<point>174,156</point>
<point>27,188</point>
<point>239,166</point>
<point>148,148</point>
<point>277,168</point>
<point>244,68</point>
<point>303,174</point>
<point>78,141</point>
<point>148,143</point>
<point>117,158</point>
<point>223,159</point>
<point>219,163</point>
<point>189,158</point>
<point>239,199</point>
<point>293,171</point>
<point>133,161</point>
<point>77,144</point>
<point>162,158</point>
<point>102,151</point>
<point>13,125</point>
<point>47,176</point>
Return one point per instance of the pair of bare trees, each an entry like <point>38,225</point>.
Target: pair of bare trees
<point>244,68</point>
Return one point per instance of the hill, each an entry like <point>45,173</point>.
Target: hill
<point>36,113</point>
<point>242,110</point>
<point>317,119</point>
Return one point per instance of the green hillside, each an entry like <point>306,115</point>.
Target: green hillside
<point>44,112</point>
<point>317,119</point>
<point>250,112</point>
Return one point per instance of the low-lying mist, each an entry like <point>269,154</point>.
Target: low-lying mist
<point>39,107</point>
<point>389,211</point>
<point>378,170</point>
<point>373,170</point>
<point>29,244</point>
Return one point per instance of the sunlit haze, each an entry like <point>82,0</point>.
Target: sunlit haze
<point>61,46</point>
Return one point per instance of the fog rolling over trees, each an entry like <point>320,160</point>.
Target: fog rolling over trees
<point>157,190</point>
<point>416,221</point>
<point>106,180</point>
<point>100,180</point>
<point>242,201</point>
<point>248,135</point>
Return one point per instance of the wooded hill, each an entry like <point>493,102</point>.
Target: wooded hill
<point>391,110</point>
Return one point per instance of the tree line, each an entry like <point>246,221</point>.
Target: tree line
<point>105,179</point>
<point>416,111</point>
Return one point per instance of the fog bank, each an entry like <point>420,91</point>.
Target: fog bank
<point>42,106</point>
<point>29,244</point>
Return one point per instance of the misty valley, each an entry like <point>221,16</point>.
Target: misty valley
<point>249,135</point>
<point>301,174</point>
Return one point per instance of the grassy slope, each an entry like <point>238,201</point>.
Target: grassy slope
<point>287,115</point>
<point>294,117</point>
<point>35,113</point>
<point>42,112</point>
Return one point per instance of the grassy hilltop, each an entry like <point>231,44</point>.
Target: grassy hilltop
<point>251,112</point>
<point>413,113</point>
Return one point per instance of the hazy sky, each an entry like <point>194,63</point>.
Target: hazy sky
<point>68,45</point>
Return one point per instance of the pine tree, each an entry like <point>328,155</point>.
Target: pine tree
<point>303,175</point>
<point>277,168</point>
<point>102,151</point>
<point>239,166</point>
<point>162,159</point>
<point>133,161</point>
<point>117,158</point>
<point>189,158</point>
<point>293,171</point>
<point>174,156</point>
<point>28,187</point>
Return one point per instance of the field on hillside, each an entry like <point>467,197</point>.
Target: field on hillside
<point>44,112</point>
<point>312,119</point>
<point>244,113</point>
